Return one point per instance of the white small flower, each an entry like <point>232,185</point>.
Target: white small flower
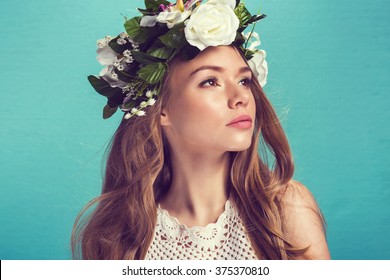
<point>123,35</point>
<point>127,53</point>
<point>143,104</point>
<point>149,94</point>
<point>140,113</point>
<point>128,116</point>
<point>114,75</point>
<point>259,66</point>
<point>121,67</point>
<point>212,24</point>
<point>121,41</point>
<point>134,110</point>
<point>129,60</point>
<point>101,43</point>
<point>151,101</point>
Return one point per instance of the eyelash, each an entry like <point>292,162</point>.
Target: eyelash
<point>209,80</point>
<point>246,80</point>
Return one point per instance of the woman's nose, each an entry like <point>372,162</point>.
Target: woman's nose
<point>238,96</point>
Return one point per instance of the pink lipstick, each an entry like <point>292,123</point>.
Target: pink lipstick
<point>243,121</point>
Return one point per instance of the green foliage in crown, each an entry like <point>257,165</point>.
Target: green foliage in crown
<point>135,61</point>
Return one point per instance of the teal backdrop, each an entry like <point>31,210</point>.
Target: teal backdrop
<point>328,79</point>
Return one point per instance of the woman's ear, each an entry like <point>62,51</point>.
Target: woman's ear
<point>164,118</point>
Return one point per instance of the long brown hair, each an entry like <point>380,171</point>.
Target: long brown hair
<point>138,172</point>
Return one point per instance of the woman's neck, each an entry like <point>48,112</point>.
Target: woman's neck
<point>199,188</point>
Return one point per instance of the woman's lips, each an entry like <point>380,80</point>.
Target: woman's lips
<point>243,121</point>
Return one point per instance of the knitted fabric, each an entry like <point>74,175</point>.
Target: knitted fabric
<point>225,239</point>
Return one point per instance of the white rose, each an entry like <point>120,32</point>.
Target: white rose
<point>231,3</point>
<point>259,66</point>
<point>212,24</point>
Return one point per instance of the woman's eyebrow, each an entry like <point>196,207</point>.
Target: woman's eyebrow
<point>219,69</point>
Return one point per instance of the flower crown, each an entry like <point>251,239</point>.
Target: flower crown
<point>136,60</point>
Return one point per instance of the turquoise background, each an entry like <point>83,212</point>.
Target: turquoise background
<point>329,80</point>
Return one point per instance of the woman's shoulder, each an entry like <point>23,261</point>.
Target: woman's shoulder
<point>302,220</point>
<point>295,193</point>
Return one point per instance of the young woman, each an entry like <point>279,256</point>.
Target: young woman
<point>184,177</point>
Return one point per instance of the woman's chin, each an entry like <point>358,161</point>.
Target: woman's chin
<point>239,147</point>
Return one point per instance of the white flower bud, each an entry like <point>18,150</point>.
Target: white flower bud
<point>149,94</point>
<point>140,113</point>
<point>151,101</point>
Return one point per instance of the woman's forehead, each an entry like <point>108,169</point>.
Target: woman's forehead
<point>221,57</point>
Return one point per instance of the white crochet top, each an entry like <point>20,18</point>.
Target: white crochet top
<point>225,239</point>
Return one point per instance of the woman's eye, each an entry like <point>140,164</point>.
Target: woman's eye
<point>212,82</point>
<point>246,82</point>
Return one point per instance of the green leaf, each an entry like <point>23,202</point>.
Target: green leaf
<point>143,34</point>
<point>146,12</point>
<point>135,31</point>
<point>103,87</point>
<point>154,4</point>
<point>243,14</point>
<point>108,111</point>
<point>128,75</point>
<point>248,54</point>
<point>153,73</point>
<point>239,40</point>
<point>144,58</point>
<point>162,53</point>
<point>132,26</point>
<point>129,104</point>
<point>114,95</point>
<point>175,37</point>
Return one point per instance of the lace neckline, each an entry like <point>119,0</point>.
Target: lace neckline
<point>174,221</point>
<point>224,239</point>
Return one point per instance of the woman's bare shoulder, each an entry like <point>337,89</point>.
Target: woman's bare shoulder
<point>302,219</point>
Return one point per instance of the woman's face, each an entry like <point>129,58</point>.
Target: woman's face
<point>210,95</point>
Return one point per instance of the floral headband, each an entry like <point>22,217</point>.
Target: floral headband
<point>136,60</point>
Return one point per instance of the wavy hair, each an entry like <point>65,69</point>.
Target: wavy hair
<point>119,224</point>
